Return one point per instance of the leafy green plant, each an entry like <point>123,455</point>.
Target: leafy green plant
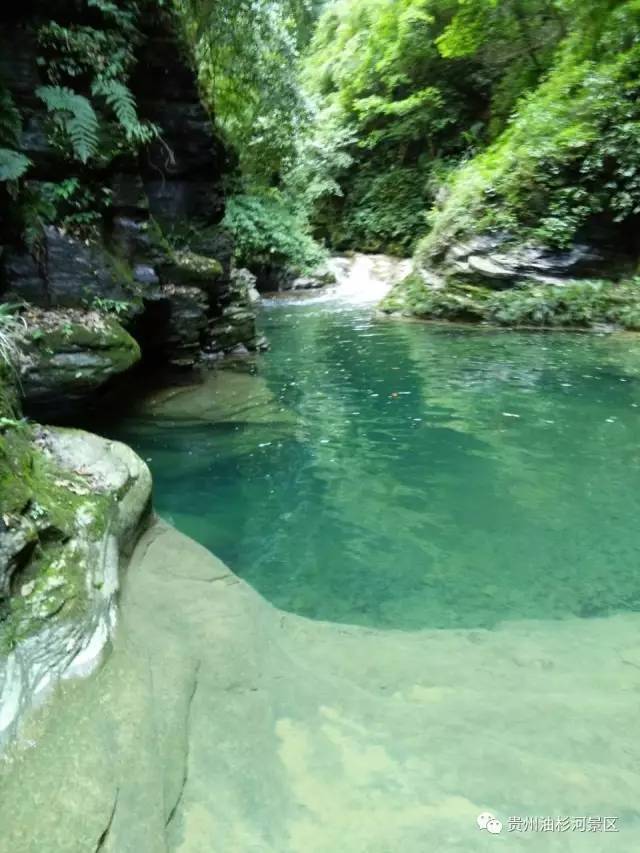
<point>269,230</point>
<point>13,164</point>
<point>74,115</point>
<point>117,307</point>
<point>120,98</point>
<point>11,326</point>
<point>568,160</point>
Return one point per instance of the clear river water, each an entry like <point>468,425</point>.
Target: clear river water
<point>405,475</point>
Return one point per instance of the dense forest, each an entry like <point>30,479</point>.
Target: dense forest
<point>414,127</point>
<point>403,127</point>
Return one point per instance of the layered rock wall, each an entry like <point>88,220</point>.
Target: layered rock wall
<point>157,260</point>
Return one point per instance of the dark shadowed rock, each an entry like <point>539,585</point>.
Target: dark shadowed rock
<point>66,273</point>
<point>69,354</point>
<point>497,262</point>
<point>187,323</point>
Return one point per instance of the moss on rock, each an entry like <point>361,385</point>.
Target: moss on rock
<point>72,505</point>
<point>575,305</point>
<point>189,268</point>
<point>42,508</point>
<point>73,352</point>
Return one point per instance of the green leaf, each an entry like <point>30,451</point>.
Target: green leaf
<point>13,164</point>
<point>77,117</point>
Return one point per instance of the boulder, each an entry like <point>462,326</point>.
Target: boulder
<point>185,267</point>
<point>72,506</point>
<point>498,262</point>
<point>243,286</point>
<point>187,323</point>
<point>68,354</point>
<point>236,326</point>
<point>322,276</point>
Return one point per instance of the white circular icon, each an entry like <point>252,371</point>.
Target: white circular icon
<point>494,826</point>
<point>483,819</point>
<point>487,821</point>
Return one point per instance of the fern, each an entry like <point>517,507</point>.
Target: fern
<point>75,116</point>
<point>10,119</point>
<point>120,98</point>
<point>13,165</point>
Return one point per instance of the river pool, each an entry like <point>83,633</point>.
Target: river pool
<point>410,475</point>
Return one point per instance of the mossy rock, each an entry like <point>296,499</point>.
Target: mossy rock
<point>71,504</point>
<point>72,353</point>
<point>41,509</point>
<point>188,268</point>
<point>575,305</point>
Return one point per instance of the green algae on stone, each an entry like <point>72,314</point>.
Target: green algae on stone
<point>413,297</point>
<point>574,305</point>
<point>73,352</point>
<point>43,507</point>
<point>187,267</point>
<point>77,505</point>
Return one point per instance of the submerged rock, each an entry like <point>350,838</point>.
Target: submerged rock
<point>204,730</point>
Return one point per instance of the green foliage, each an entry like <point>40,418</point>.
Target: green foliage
<point>13,164</point>
<point>74,115</point>
<point>462,303</point>
<point>516,115</point>
<point>76,206</point>
<point>270,232</point>
<point>93,119</point>
<point>88,69</point>
<point>11,325</point>
<point>383,211</point>
<point>247,51</point>
<point>570,156</point>
<point>402,108</point>
<point>117,307</point>
<point>576,305</point>
<point>121,100</point>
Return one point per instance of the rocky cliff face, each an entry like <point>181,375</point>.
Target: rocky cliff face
<point>143,274</point>
<point>155,258</point>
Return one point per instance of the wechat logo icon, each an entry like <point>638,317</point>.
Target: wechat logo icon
<point>486,821</point>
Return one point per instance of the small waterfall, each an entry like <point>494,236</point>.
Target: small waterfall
<point>366,279</point>
<point>361,280</point>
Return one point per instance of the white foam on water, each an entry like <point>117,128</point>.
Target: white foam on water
<point>361,280</point>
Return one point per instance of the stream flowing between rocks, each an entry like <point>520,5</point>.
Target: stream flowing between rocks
<point>409,475</point>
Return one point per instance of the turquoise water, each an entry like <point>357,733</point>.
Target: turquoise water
<point>407,475</point>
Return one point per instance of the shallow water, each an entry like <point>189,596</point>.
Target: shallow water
<point>408,475</point>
